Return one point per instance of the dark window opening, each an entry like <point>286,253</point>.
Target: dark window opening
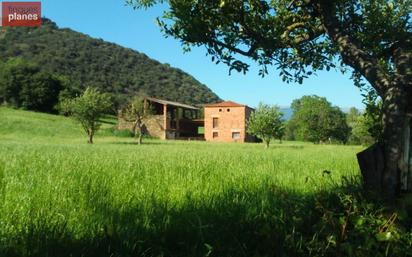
<point>215,134</point>
<point>235,135</point>
<point>228,110</point>
<point>215,122</point>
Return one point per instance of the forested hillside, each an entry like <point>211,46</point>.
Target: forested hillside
<point>85,61</point>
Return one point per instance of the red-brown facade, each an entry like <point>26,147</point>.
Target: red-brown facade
<point>227,122</point>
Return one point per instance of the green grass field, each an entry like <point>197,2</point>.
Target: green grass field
<point>60,196</point>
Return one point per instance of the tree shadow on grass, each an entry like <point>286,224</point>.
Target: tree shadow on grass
<point>266,221</point>
<point>135,143</point>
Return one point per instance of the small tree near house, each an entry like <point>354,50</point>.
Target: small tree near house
<point>266,123</point>
<point>137,111</point>
<point>88,109</point>
<point>280,133</point>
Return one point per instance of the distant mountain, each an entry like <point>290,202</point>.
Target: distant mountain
<point>287,112</point>
<point>86,61</point>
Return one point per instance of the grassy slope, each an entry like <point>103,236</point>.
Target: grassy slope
<point>60,195</point>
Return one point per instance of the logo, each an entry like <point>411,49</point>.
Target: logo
<point>16,14</point>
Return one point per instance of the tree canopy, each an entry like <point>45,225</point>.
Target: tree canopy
<point>360,127</point>
<point>88,109</point>
<point>266,123</point>
<point>316,120</point>
<point>25,85</point>
<point>297,36</point>
<point>137,111</point>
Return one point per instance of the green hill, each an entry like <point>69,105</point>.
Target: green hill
<point>86,61</point>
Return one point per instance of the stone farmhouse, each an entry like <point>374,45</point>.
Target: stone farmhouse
<point>170,120</point>
<point>222,122</point>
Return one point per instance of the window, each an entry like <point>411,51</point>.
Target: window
<point>235,135</point>
<point>215,122</point>
<point>228,110</point>
<point>215,134</point>
<point>220,110</point>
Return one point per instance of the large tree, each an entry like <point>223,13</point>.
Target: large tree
<point>300,37</point>
<point>24,85</point>
<point>316,120</point>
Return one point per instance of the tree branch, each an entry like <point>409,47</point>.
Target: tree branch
<point>249,53</point>
<point>352,54</point>
<point>303,38</point>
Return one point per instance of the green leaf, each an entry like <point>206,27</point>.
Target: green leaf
<point>384,236</point>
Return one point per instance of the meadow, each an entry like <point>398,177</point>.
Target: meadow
<point>60,196</point>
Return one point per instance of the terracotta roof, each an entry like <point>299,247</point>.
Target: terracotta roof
<point>225,104</point>
<point>165,102</point>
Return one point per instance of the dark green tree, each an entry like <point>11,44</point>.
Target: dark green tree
<point>316,120</point>
<point>266,123</point>
<point>15,74</point>
<point>24,85</point>
<point>300,37</point>
<point>352,116</point>
<point>360,132</point>
<point>42,93</point>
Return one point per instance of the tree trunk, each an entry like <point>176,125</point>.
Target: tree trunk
<point>385,166</point>
<point>90,141</point>
<point>394,125</point>
<point>267,142</point>
<point>371,162</point>
<point>138,126</point>
<point>409,176</point>
<point>134,129</point>
<point>394,90</point>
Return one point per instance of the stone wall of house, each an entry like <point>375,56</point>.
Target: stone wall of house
<point>153,126</point>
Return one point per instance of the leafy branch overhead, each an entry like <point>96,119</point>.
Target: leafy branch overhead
<point>297,36</point>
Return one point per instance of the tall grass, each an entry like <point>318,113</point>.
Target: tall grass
<point>62,197</point>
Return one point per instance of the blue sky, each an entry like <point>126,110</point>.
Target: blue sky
<point>113,21</point>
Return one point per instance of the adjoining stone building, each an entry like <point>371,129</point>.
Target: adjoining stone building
<point>227,122</point>
<point>170,120</point>
<point>223,122</point>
